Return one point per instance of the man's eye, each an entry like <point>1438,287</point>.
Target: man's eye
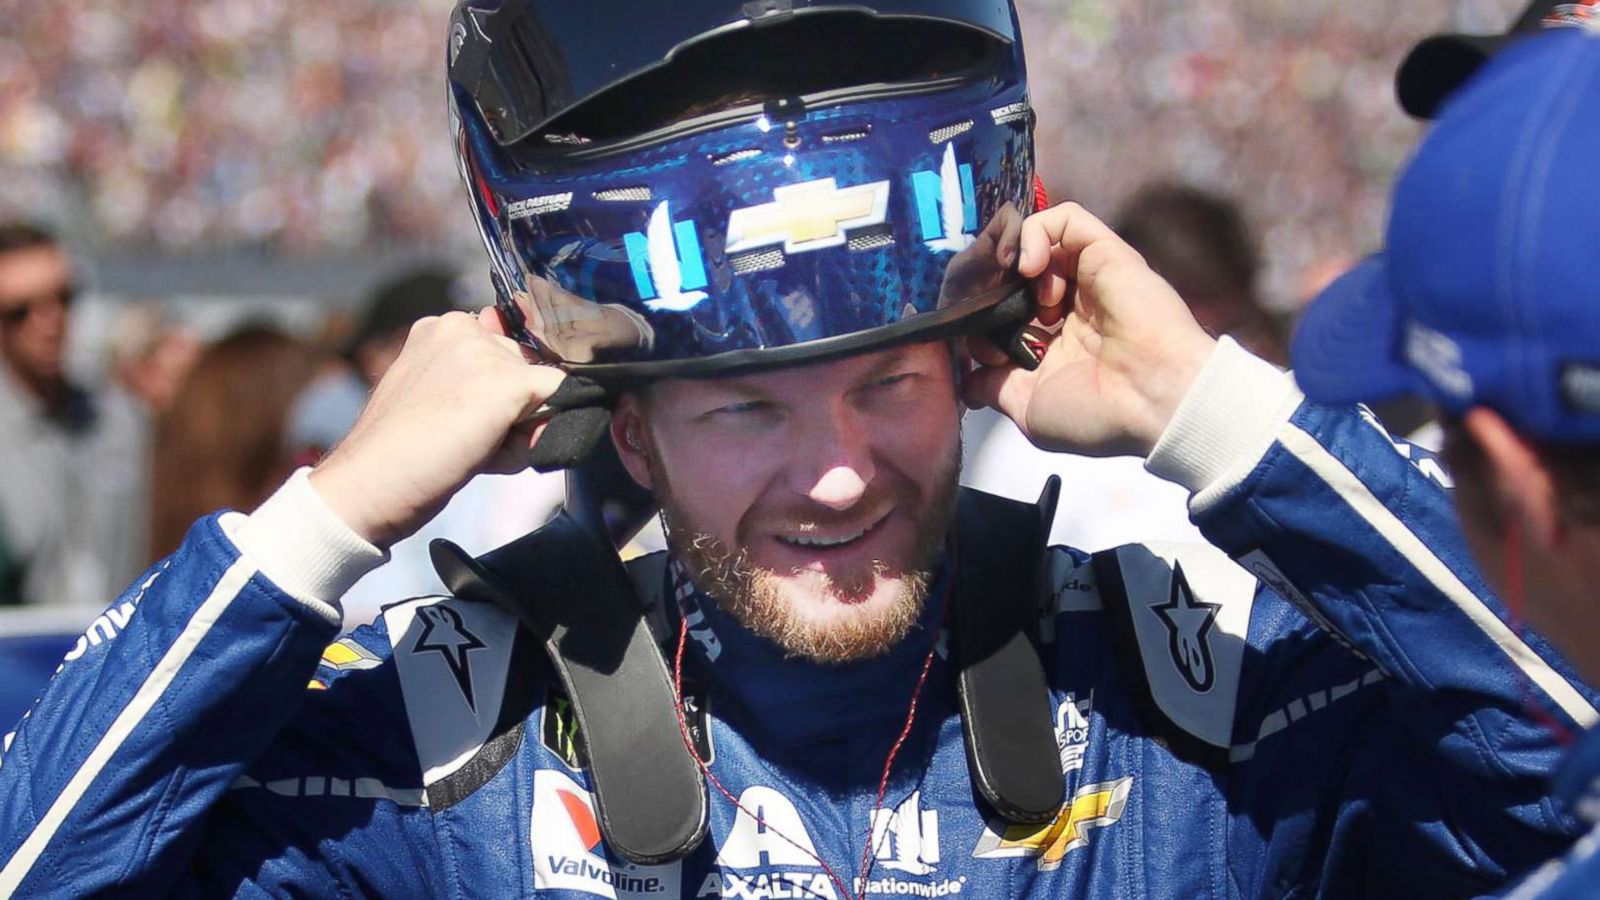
<point>735,409</point>
<point>892,380</point>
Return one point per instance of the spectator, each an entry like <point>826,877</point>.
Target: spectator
<point>224,441</point>
<point>72,461</point>
<point>1199,242</point>
<point>394,307</point>
<point>151,355</point>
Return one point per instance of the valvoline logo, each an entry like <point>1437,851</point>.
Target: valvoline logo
<point>569,854</point>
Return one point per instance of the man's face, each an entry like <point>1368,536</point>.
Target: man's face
<point>35,284</point>
<point>812,502</point>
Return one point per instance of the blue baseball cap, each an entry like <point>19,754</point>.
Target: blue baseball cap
<point>1488,293</point>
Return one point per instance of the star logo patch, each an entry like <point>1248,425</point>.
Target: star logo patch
<point>1189,622</point>
<point>444,633</point>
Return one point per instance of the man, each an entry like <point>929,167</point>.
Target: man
<point>801,265</point>
<point>72,463</point>
<point>1487,302</point>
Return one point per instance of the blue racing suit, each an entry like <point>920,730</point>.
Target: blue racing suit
<point>1332,705</point>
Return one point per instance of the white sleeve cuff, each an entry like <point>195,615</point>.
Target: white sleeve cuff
<point>1225,424</point>
<point>303,546</point>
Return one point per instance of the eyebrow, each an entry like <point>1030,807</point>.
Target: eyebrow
<point>894,358</point>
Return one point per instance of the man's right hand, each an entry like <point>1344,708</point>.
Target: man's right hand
<point>457,402</point>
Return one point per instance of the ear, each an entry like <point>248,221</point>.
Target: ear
<point>1522,484</point>
<point>629,434</point>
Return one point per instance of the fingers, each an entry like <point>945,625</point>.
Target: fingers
<point>489,319</point>
<point>1004,388</point>
<point>1065,229</point>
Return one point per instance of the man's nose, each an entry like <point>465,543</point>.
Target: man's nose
<point>836,462</point>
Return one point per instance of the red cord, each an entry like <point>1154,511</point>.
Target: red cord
<point>883,780</point>
<point>1514,602</point>
<point>1041,198</point>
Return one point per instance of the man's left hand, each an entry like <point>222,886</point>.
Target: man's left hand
<point>1122,347</point>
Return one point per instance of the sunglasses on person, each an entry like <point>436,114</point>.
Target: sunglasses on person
<point>16,314</point>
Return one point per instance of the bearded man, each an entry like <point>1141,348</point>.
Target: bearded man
<point>801,224</point>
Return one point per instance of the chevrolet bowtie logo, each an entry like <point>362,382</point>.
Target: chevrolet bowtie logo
<point>808,216</point>
<point>1093,806</point>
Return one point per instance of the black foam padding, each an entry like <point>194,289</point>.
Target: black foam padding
<point>570,589</point>
<point>1006,715</point>
<point>569,438</point>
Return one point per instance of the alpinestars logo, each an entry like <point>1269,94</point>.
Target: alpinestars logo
<point>568,854</point>
<point>1189,622</point>
<point>444,633</point>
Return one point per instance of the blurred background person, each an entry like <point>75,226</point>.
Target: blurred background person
<point>224,441</point>
<point>72,461</point>
<point>150,352</point>
<point>1198,240</point>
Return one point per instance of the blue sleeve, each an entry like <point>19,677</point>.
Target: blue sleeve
<point>1432,719</point>
<point>155,713</point>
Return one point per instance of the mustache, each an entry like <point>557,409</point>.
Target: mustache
<point>810,518</point>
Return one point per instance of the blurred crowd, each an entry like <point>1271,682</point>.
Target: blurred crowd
<point>98,481</point>
<point>189,125</point>
<point>1285,105</point>
<point>195,124</point>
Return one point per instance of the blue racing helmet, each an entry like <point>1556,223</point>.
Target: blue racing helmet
<point>707,186</point>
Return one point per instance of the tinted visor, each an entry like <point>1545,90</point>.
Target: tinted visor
<point>526,62</point>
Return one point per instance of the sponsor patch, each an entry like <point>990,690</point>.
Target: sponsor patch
<point>668,267</point>
<point>811,215</point>
<point>1072,730</point>
<point>538,206</point>
<point>1093,806</point>
<point>345,654</point>
<point>1011,112</point>
<point>947,204</point>
<point>906,838</point>
<point>569,855</point>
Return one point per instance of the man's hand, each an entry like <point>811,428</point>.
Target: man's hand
<point>458,401</point>
<point>1123,348</point>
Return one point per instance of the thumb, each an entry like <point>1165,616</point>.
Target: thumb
<point>998,387</point>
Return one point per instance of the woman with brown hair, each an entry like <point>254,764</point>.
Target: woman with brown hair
<point>223,442</point>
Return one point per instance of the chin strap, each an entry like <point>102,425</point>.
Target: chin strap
<point>1006,714</point>
<point>569,588</point>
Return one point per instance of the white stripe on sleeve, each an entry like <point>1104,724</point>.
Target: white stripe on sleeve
<point>155,685</point>
<point>1388,525</point>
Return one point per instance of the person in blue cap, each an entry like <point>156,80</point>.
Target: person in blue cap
<point>755,246</point>
<point>1486,299</point>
